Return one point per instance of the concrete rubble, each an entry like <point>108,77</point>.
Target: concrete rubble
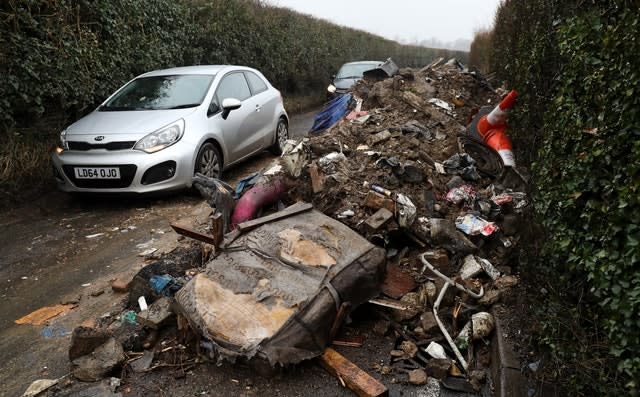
<point>408,181</point>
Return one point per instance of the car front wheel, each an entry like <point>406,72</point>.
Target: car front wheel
<point>208,161</point>
<point>282,135</point>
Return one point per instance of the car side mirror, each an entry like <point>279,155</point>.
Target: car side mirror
<point>229,104</point>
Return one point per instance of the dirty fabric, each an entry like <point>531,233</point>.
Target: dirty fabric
<point>276,291</point>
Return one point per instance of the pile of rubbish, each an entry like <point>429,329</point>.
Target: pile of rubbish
<point>398,206</point>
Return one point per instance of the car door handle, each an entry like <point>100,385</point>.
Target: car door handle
<point>258,107</point>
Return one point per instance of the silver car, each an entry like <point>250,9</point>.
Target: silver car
<point>160,128</point>
<point>348,74</point>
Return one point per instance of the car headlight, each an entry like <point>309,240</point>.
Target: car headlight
<point>162,138</point>
<point>62,142</point>
<point>331,88</point>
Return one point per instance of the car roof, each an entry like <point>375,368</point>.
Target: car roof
<point>198,69</point>
<point>362,62</point>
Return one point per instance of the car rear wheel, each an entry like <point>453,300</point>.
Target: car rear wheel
<point>282,135</point>
<point>208,161</point>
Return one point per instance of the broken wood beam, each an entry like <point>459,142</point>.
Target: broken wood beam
<point>217,227</point>
<point>317,178</point>
<point>357,380</point>
<point>252,224</point>
<point>194,234</point>
<point>285,213</point>
<point>351,341</point>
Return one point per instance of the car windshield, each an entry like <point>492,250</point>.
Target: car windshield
<point>354,70</point>
<point>161,92</point>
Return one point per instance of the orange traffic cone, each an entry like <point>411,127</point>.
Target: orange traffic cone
<point>493,126</point>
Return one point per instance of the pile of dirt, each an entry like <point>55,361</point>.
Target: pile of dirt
<point>405,136</point>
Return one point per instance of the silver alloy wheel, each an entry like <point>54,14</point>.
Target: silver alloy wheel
<point>282,133</point>
<point>208,161</point>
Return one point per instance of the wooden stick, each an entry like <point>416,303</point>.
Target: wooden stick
<point>363,384</point>
<point>194,234</point>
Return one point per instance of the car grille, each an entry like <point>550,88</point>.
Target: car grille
<point>127,172</point>
<point>84,146</point>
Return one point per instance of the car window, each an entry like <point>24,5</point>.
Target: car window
<point>256,83</point>
<point>354,70</point>
<point>233,85</point>
<point>161,92</point>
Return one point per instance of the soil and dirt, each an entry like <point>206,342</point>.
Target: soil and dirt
<point>420,134</point>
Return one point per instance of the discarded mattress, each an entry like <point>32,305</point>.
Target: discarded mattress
<point>276,291</point>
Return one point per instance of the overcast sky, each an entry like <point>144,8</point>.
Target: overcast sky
<point>406,21</point>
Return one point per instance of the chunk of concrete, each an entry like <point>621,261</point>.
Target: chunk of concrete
<point>379,219</point>
<point>418,377</point>
<point>104,359</point>
<point>85,340</point>
<point>157,314</point>
<point>438,367</point>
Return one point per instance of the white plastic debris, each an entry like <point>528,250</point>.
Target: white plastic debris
<point>39,386</point>
<point>441,104</point>
<point>142,302</point>
<point>346,214</point>
<point>435,350</point>
<point>474,225</point>
<point>148,252</point>
<point>295,156</point>
<point>407,210</point>
<point>276,169</point>
<point>480,326</point>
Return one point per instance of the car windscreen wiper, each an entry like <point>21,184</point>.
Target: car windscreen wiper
<point>349,77</point>
<point>185,106</point>
<point>116,108</point>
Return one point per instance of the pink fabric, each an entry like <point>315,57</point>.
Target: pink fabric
<point>264,193</point>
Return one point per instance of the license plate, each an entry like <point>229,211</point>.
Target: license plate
<point>97,172</point>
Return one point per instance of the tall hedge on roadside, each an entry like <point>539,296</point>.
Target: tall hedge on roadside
<point>65,56</point>
<point>576,64</point>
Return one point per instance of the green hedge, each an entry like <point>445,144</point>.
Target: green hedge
<point>577,67</point>
<point>66,56</point>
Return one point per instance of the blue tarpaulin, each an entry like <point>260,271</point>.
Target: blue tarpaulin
<point>333,111</point>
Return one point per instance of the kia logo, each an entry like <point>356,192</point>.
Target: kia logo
<point>99,138</point>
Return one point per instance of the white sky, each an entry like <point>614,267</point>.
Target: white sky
<point>406,21</point>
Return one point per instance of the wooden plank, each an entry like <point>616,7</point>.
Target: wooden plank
<point>252,224</point>
<point>217,227</point>
<point>342,312</point>
<point>393,304</point>
<point>363,384</point>
<point>317,178</point>
<point>196,235</point>
<point>285,213</point>
<point>349,341</point>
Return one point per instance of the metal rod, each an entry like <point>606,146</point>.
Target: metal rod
<point>453,346</point>
<point>450,281</point>
<point>436,306</point>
